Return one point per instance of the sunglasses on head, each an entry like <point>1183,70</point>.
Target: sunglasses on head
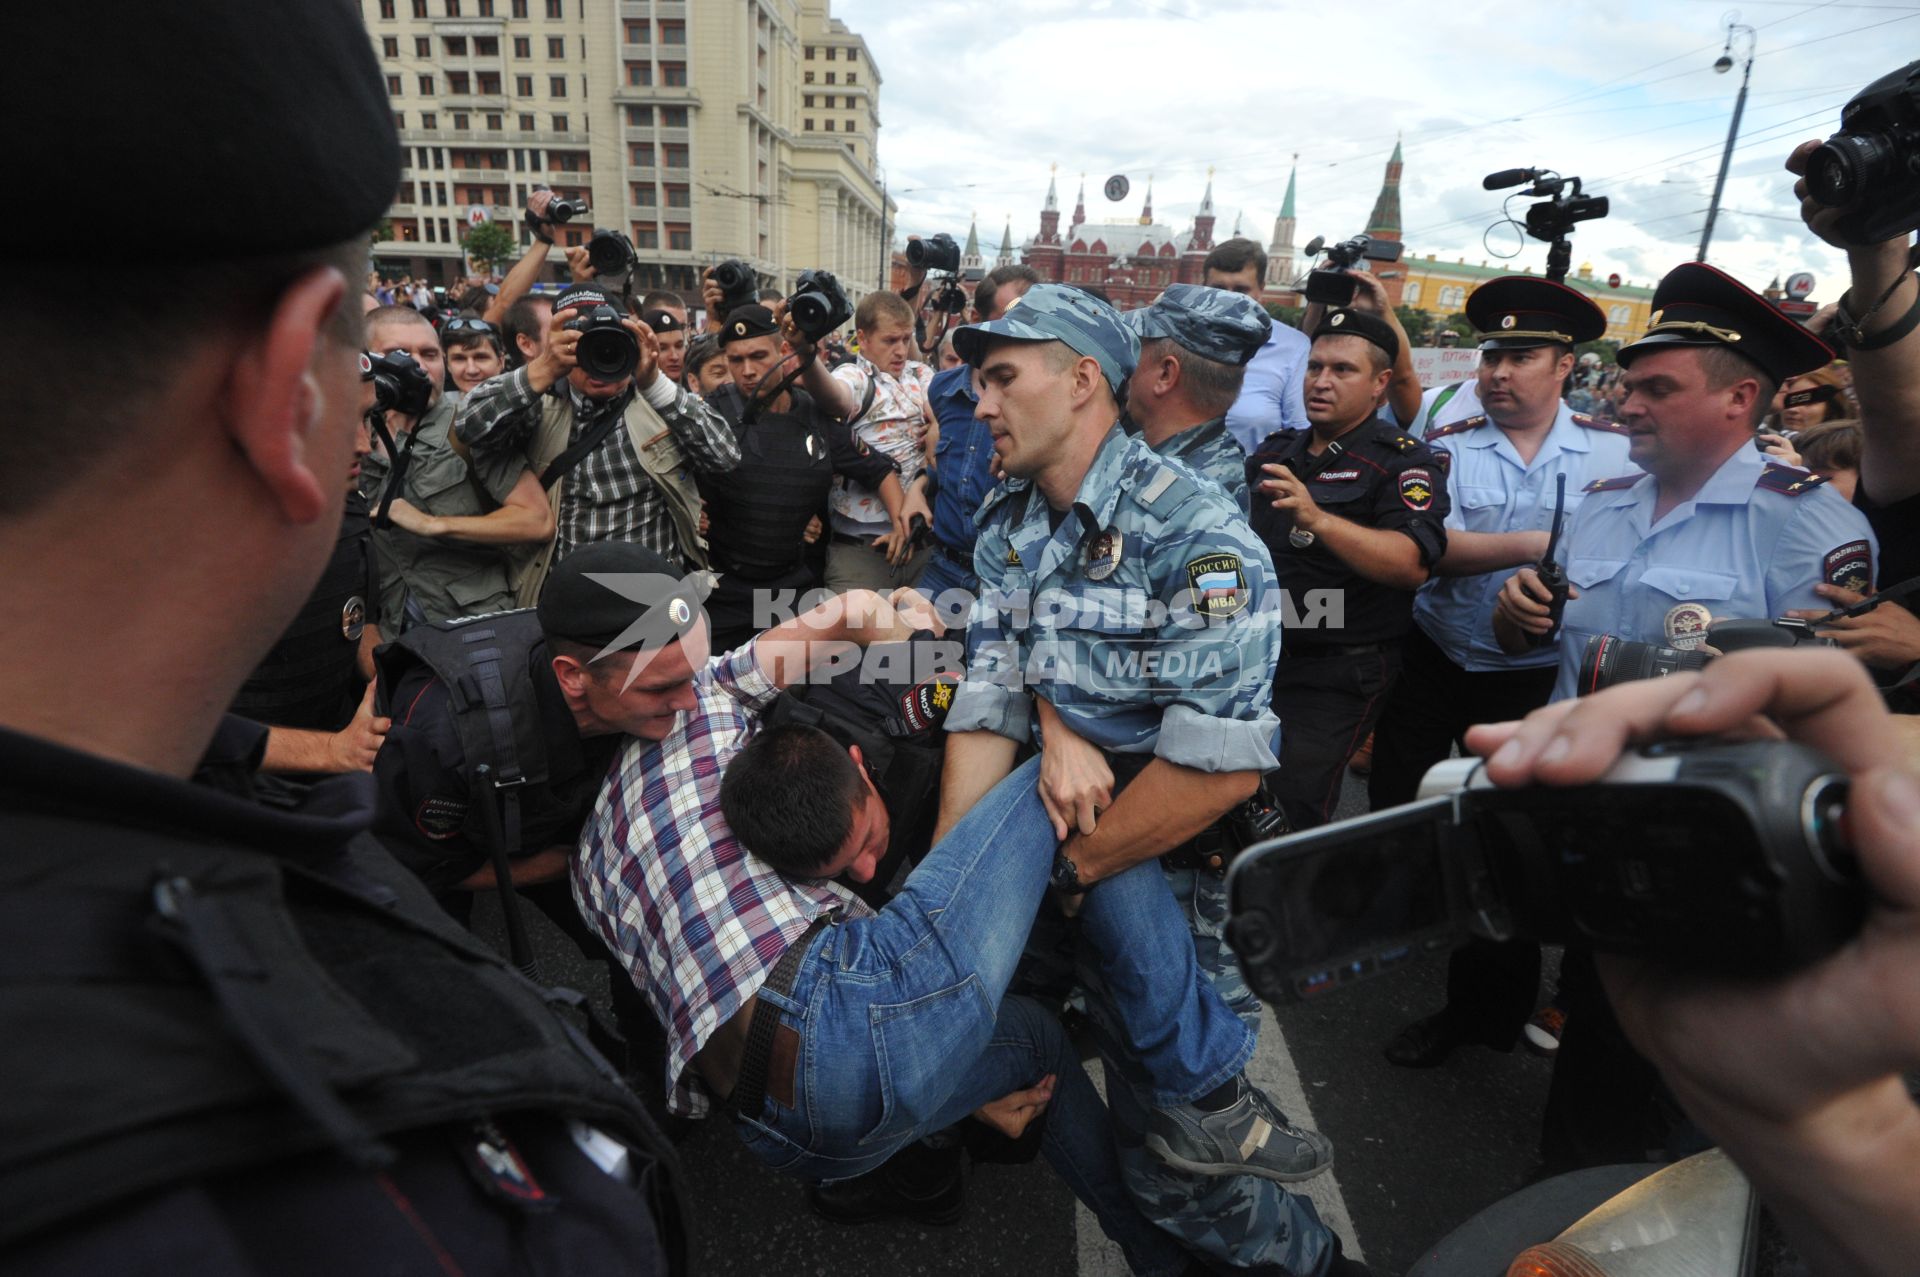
<point>462,324</point>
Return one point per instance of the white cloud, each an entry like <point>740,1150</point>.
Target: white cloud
<point>978,100</point>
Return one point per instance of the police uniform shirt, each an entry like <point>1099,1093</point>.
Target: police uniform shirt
<point>1147,616</point>
<point>1214,453</point>
<point>1494,491</point>
<point>759,510</point>
<point>1447,405</point>
<point>1383,479</point>
<point>1753,543</point>
<point>440,577</point>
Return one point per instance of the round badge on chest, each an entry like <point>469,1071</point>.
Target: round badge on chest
<point>1104,553</point>
<point>1686,625</point>
<point>1300,538</point>
<point>813,447</point>
<point>353,619</point>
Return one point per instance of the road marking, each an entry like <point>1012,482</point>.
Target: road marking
<point>1271,1069</point>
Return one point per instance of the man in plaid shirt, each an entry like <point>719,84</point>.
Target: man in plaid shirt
<point>608,496</point>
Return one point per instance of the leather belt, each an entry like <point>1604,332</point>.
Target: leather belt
<point>848,538</point>
<point>959,559</point>
<point>750,1086</point>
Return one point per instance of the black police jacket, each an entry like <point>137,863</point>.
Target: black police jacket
<point>243,1040</point>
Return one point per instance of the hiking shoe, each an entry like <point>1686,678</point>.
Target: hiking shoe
<point>1544,1029</point>
<point>1248,1137</point>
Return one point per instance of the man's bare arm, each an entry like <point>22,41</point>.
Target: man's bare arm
<point>1476,553</point>
<point>1164,806</point>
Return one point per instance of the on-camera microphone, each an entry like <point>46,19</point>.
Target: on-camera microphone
<point>1509,177</point>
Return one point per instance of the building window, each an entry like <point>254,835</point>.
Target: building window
<point>806,125</point>
<point>639,33</point>
<point>673,117</point>
<point>809,53</point>
<point>494,123</point>
<point>399,120</point>
<point>486,46</point>
<point>522,46</point>
<point>832,53</point>
<point>456,46</point>
<point>830,79</point>
<point>807,101</point>
<point>389,45</point>
<point>673,33</point>
<point>555,9</point>
<point>453,8</point>
<point>829,126</point>
<point>526,123</point>
<point>680,238</point>
<point>853,77</point>
<point>1619,315</point>
<point>556,46</point>
<point>642,155</point>
<point>556,86</point>
<point>460,120</point>
<point>457,83</point>
<point>639,115</point>
<point>646,236</point>
<point>433,236</point>
<point>1411,295</point>
<point>639,73</point>
<point>386,10</point>
<point>426,86</point>
<point>430,120</point>
<point>393,86</point>
<point>679,197</point>
<point>486,8</point>
<point>523,85</point>
<point>419,8</point>
<point>490,82</point>
<point>673,74</point>
<point>422,47</point>
<point>519,8</point>
<point>643,195</point>
<point>559,124</point>
<point>809,76</point>
<point>676,155</point>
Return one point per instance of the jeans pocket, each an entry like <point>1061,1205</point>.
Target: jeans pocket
<point>923,1049</point>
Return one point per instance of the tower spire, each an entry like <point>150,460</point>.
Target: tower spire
<point>1080,202</point>
<point>1146,210</point>
<point>1385,222</point>
<point>1280,252</point>
<point>1206,201</point>
<point>1053,196</point>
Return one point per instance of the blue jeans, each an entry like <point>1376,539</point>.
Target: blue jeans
<point>906,1026</point>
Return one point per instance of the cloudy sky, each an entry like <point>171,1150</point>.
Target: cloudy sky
<point>979,99</point>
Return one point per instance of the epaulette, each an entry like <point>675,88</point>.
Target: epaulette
<point>996,498</point>
<point>1162,492</point>
<point>1789,480</point>
<point>1588,421</point>
<point>1615,484</point>
<point>1392,436</point>
<point>1455,427</point>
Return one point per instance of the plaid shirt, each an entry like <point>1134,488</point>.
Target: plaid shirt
<point>699,922</point>
<point>608,495</point>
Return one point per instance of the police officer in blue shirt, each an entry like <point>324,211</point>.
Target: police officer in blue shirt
<point>963,459</point>
<point>1503,464</point>
<point>1713,529</point>
<point>1195,345</point>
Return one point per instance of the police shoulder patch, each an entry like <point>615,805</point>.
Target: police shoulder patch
<point>1218,583</point>
<point>924,706</point>
<point>440,817</point>
<point>1789,480</point>
<point>1455,428</point>
<point>1615,484</point>
<point>1587,421</point>
<point>1849,566</point>
<point>1416,488</point>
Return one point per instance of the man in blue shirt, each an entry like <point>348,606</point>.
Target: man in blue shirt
<point>1271,398</point>
<point>962,464</point>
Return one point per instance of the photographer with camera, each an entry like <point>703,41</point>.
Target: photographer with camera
<point>1712,529</point>
<point>941,309</point>
<point>449,518</point>
<point>594,408</point>
<point>1798,1077</point>
<point>870,547</point>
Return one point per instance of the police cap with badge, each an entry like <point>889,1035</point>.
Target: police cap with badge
<point>619,596</point>
<point>751,320</point>
<point>1359,323</point>
<point>1226,327</point>
<point>1062,313</point>
<point>1519,312</point>
<point>1697,305</point>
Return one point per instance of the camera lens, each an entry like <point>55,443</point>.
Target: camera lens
<point>1845,168</point>
<point>1610,659</point>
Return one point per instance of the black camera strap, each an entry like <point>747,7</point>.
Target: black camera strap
<point>768,395</point>
<point>577,451</point>
<point>398,459</point>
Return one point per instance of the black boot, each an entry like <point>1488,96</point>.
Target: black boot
<point>922,1184</point>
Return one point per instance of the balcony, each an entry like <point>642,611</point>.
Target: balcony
<point>468,27</point>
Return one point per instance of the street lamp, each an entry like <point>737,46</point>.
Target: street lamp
<point>1722,65</point>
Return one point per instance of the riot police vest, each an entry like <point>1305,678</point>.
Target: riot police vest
<point>760,509</point>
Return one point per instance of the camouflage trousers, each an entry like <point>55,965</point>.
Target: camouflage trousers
<point>1235,1223</point>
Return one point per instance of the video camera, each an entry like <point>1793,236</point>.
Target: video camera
<point>940,253</point>
<point>558,210</point>
<point>608,350</point>
<point>739,286</point>
<point>818,305</point>
<point>1554,219</point>
<point>1709,855</point>
<point>1333,284</point>
<point>399,383</point>
<point>1872,165</point>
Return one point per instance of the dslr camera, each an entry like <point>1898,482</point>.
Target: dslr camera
<point>739,286</point>
<point>937,252</point>
<point>1333,284</point>
<point>607,349</point>
<point>818,305</point>
<point>1871,167</point>
<point>399,383</point>
<point>1708,855</point>
<point>1608,659</point>
<point>611,254</point>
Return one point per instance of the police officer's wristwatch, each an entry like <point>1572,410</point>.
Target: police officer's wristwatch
<point>1065,877</point>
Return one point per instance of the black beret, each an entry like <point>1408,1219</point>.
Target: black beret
<point>603,592</point>
<point>663,321</point>
<point>752,320</point>
<point>1698,305</point>
<point>220,128</point>
<point>1358,323</point>
<point>1514,312</point>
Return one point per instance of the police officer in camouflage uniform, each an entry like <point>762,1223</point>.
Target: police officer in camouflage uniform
<point>453,518</point>
<point>1126,606</point>
<point>1195,344</point>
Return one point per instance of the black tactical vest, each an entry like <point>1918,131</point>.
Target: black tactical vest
<point>760,508</point>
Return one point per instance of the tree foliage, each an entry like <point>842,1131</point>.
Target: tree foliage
<point>490,245</point>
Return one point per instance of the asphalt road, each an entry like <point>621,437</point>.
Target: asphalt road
<point>1417,1152</point>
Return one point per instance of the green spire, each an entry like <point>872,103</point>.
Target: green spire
<point>1286,205</point>
<point>973,238</point>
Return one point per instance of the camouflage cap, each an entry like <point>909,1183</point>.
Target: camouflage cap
<point>1213,323</point>
<point>1060,312</point>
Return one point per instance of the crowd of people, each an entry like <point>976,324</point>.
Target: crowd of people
<point>859,700</point>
